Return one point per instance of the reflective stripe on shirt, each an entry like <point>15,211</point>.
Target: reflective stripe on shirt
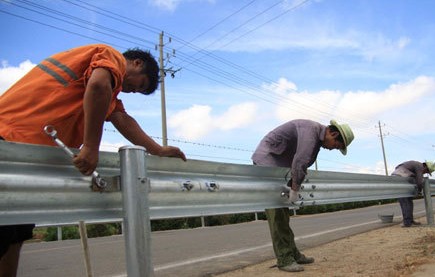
<point>55,75</point>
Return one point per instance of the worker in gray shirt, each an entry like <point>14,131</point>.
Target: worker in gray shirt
<point>295,144</point>
<point>414,170</point>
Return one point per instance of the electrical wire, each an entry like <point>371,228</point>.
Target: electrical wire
<point>221,21</point>
<point>203,66</point>
<point>58,28</point>
<point>229,77</point>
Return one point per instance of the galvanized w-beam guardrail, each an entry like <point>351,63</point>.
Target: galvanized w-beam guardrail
<point>39,185</point>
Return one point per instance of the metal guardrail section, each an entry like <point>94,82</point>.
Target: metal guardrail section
<point>39,185</point>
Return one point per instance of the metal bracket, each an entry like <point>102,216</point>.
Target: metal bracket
<point>212,186</point>
<point>113,184</point>
<point>285,192</point>
<point>187,185</point>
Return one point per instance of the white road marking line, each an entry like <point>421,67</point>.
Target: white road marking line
<point>237,252</point>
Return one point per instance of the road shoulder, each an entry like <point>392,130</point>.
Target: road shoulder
<point>389,251</point>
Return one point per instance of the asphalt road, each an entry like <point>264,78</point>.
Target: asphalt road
<point>201,251</point>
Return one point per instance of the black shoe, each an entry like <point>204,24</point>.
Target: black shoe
<point>294,267</point>
<point>305,260</point>
<point>415,223</point>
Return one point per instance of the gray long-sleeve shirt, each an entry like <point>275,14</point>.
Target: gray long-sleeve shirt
<point>411,169</point>
<point>294,144</point>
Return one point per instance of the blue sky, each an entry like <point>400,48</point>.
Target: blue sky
<point>244,67</point>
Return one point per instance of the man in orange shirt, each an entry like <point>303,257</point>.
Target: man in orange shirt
<point>75,91</point>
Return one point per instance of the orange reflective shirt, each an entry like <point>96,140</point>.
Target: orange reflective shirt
<point>52,94</point>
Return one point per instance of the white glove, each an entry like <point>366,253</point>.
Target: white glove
<point>293,196</point>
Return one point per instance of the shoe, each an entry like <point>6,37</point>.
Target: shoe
<point>406,225</point>
<point>305,260</point>
<point>415,223</point>
<point>294,267</point>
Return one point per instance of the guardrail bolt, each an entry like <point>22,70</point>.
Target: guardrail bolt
<point>187,186</point>
<point>212,186</point>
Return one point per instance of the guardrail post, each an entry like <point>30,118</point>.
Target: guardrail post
<point>428,202</point>
<point>137,225</point>
<point>59,233</point>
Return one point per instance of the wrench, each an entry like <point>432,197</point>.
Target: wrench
<point>51,131</point>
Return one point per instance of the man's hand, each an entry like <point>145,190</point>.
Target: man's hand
<point>293,196</point>
<point>86,160</point>
<point>171,151</point>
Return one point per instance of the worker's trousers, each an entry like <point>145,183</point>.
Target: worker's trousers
<point>282,235</point>
<point>407,206</point>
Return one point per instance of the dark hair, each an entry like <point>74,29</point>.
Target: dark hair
<point>334,128</point>
<point>151,67</point>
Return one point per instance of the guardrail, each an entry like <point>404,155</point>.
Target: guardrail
<point>40,185</point>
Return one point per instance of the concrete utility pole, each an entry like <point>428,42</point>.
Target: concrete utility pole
<point>383,149</point>
<point>162,90</point>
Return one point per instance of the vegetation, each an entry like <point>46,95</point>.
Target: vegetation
<point>109,229</point>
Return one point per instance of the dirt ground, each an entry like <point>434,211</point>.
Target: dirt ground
<point>387,252</point>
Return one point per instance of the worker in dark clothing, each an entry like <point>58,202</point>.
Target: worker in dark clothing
<point>415,170</point>
<point>295,144</point>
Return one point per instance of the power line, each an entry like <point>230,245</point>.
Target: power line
<point>267,22</point>
<point>411,140</point>
<point>77,19</point>
<point>102,27</point>
<point>224,75</point>
<point>222,21</point>
<point>236,28</point>
<point>98,26</point>
<point>115,16</point>
<point>58,28</point>
<point>193,143</point>
<point>207,67</point>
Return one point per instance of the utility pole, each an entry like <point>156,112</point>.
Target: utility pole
<point>163,72</point>
<point>162,92</point>
<point>383,149</point>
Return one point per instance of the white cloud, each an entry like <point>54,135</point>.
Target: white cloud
<point>281,87</point>
<point>237,116</point>
<point>10,74</point>
<point>405,104</point>
<point>378,168</point>
<point>171,5</point>
<point>378,46</point>
<point>111,147</point>
<point>361,107</point>
<point>197,121</point>
<point>192,123</point>
<point>315,34</point>
<point>370,104</point>
<point>403,42</point>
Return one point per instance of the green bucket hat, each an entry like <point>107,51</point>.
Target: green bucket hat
<point>346,133</point>
<point>430,166</point>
